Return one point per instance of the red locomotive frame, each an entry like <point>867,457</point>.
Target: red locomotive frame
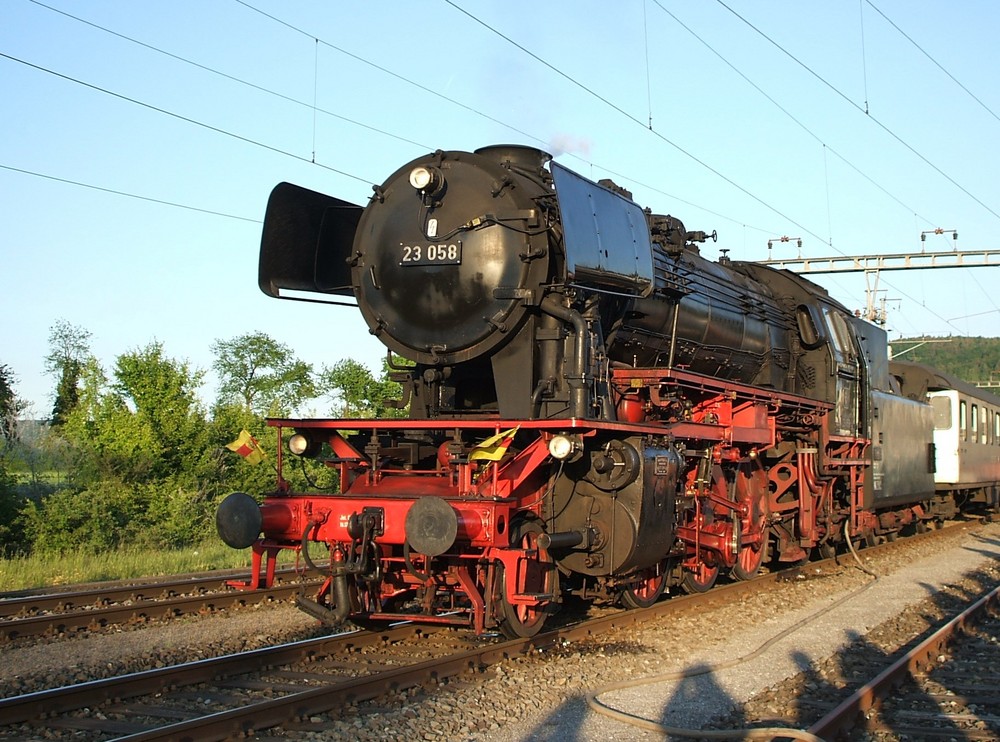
<point>726,426</point>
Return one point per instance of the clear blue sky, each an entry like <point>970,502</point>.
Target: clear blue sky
<point>362,88</point>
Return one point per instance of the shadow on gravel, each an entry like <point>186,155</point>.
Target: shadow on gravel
<point>697,700</point>
<point>909,713</point>
<point>794,704</point>
<point>565,723</point>
<point>986,552</point>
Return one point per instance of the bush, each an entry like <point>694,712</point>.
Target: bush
<point>11,503</point>
<point>103,516</point>
<point>176,515</point>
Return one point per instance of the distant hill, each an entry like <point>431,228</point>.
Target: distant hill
<point>970,359</point>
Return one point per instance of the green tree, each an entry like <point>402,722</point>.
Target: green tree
<point>11,502</point>
<point>11,407</point>
<point>972,359</point>
<point>231,471</point>
<point>69,350</point>
<point>67,393</point>
<point>356,392</point>
<point>163,393</point>
<point>104,516</point>
<point>146,424</point>
<point>41,456</point>
<point>262,374</point>
<point>144,469</point>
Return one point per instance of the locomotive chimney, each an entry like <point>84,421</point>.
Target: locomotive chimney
<point>527,158</point>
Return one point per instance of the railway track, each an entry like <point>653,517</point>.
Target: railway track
<point>95,607</point>
<point>930,672</point>
<point>300,686</point>
<point>239,694</point>
<point>947,687</point>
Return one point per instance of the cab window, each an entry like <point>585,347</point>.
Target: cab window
<point>843,346</point>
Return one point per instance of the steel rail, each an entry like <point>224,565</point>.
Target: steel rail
<point>251,718</point>
<point>93,597</point>
<point>94,617</point>
<point>214,575</point>
<point>256,716</point>
<point>844,717</point>
<point>89,594</point>
<point>17,709</point>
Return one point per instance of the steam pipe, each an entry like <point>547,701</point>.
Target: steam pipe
<point>341,595</point>
<point>673,333</point>
<point>564,540</point>
<point>338,573</point>
<point>577,377</point>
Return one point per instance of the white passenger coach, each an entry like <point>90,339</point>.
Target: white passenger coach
<point>966,432</point>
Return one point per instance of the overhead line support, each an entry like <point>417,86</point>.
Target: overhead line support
<point>888,262</point>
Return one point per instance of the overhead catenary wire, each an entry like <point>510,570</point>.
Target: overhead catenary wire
<point>864,54</point>
<point>318,41</point>
<point>487,116</point>
<point>645,45</point>
<point>233,78</point>
<point>315,93</point>
<point>315,108</point>
<point>933,61</point>
<point>127,194</point>
<point>818,139</point>
<point>861,109</point>
<point>792,117</point>
<point>655,133</point>
<point>389,72</point>
<point>180,117</point>
<point>632,118</point>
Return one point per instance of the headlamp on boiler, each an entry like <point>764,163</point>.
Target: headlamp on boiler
<point>426,179</point>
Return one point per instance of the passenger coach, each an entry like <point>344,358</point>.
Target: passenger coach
<point>966,431</point>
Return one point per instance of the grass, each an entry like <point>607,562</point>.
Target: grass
<point>25,573</point>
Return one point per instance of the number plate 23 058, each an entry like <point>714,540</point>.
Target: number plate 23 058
<point>442,254</point>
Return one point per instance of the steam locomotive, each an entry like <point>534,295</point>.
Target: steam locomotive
<point>595,409</point>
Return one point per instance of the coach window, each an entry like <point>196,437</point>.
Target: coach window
<point>963,429</point>
<point>974,427</point>
<point>996,429</point>
<point>942,412</point>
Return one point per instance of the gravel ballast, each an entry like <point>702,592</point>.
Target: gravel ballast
<point>905,579</point>
<point>542,697</point>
